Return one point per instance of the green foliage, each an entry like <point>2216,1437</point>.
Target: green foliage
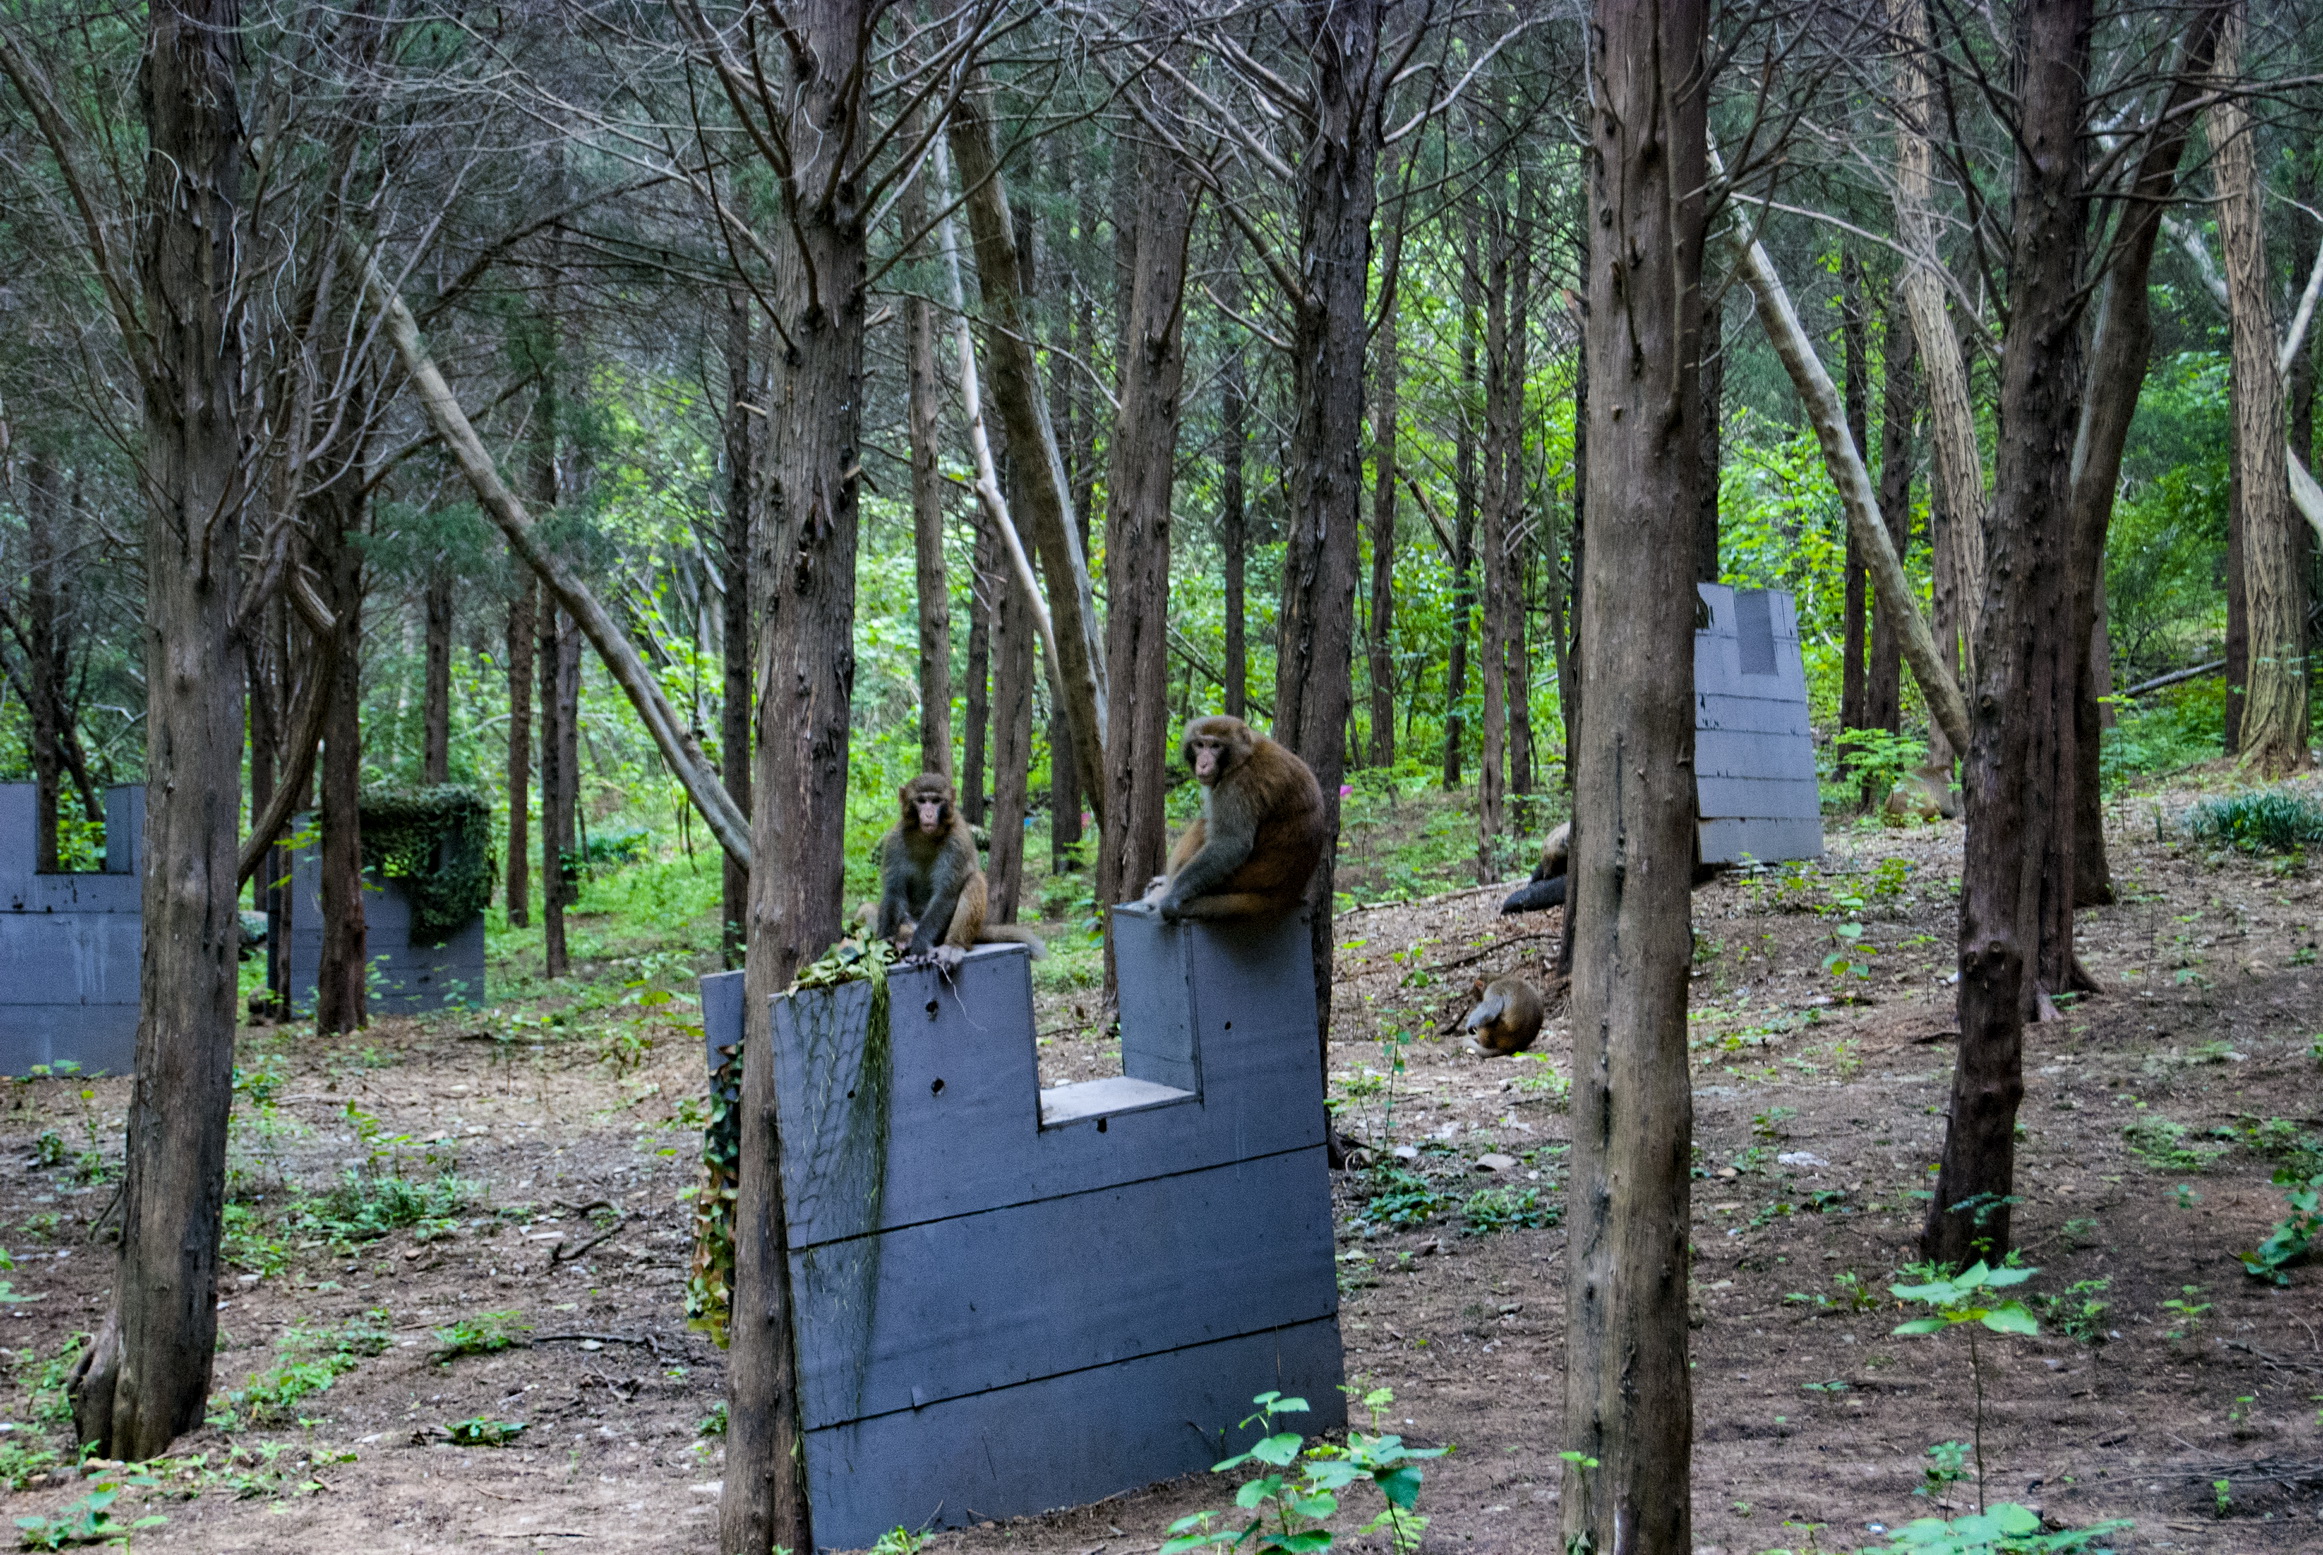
<point>89,1520</point>
<point>21,1461</point>
<point>1398,1197</point>
<point>1964,1298</point>
<point>2004,1528</point>
<point>2188,1311</point>
<point>2267,820</point>
<point>899,1540</point>
<point>1298,1491</point>
<point>2078,1313</point>
<point>487,1333</point>
<point>484,1431</point>
<point>2165,1146</point>
<point>710,1282</point>
<point>1878,759</point>
<point>362,1207</point>
<point>438,843</point>
<point>2168,731</point>
<point>1508,1209</point>
<point>310,1361</point>
<point>2293,1239</point>
<point>1947,1465</point>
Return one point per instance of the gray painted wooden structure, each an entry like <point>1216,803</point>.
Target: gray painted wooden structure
<point>1009,1299</point>
<point>69,943</point>
<point>1754,753</point>
<point>406,978</point>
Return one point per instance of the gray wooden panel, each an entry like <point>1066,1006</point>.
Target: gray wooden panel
<point>1724,710</point>
<point>19,833</point>
<point>1064,1441</point>
<point>986,1301</point>
<point>101,1038</point>
<point>1727,753</point>
<point>125,829</point>
<point>965,1132</point>
<point>721,1015</point>
<point>1756,798</point>
<point>407,979</point>
<point>69,958</point>
<point>1767,840</point>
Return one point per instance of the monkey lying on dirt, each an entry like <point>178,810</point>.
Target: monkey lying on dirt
<point>1508,1018</point>
<point>1924,795</point>
<point>1260,834</point>
<point>929,882</point>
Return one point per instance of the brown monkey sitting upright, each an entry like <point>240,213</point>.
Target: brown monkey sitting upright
<point>1546,888</point>
<point>1507,1019</point>
<point>1260,834</point>
<point>928,880</point>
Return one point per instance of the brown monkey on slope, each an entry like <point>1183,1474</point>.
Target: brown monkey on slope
<point>928,880</point>
<point>1259,836</point>
<point>1507,1019</point>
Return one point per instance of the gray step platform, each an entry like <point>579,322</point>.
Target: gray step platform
<point>1010,1299</point>
<point>1754,752</point>
<point>406,978</point>
<point>70,944</point>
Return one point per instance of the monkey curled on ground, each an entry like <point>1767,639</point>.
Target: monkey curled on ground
<point>1924,795</point>
<point>1546,888</point>
<point>1507,1019</point>
<point>1260,834</point>
<point>928,879</point>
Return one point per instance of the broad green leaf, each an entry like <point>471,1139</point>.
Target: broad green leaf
<point>1281,1451</point>
<point>2001,1278</point>
<point>2011,1319</point>
<point>1922,1325</point>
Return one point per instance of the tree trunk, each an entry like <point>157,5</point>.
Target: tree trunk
<point>1628,1395</point>
<point>1883,680</point>
<point>2237,596</point>
<point>1854,690</point>
<point>523,628</point>
<point>2272,734</point>
<point>558,783</point>
<point>1387,368</point>
<point>44,649</point>
<point>2121,346</point>
<point>263,674</point>
<point>1015,650</point>
<point>1313,688</point>
<point>1959,552</point>
<point>1463,513</point>
<point>342,973</point>
<point>1046,507</point>
<point>1713,430</point>
<point>2016,901</point>
<point>147,1377</point>
<point>435,762</point>
<point>1233,520</point>
<point>1139,485</point>
<point>988,581</point>
<point>803,585</point>
<point>734,754</point>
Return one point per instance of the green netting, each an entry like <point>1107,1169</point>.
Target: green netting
<point>438,843</point>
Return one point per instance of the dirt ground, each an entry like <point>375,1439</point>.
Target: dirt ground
<point>1819,1102</point>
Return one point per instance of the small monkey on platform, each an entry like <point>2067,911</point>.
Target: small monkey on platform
<point>1260,834</point>
<point>929,881</point>
<point>1508,1018</point>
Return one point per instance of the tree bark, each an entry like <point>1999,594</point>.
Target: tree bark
<point>2121,346</point>
<point>1628,1394</point>
<point>2016,900</point>
<point>1233,520</point>
<point>1463,514</point>
<point>1139,485</point>
<point>1713,431</point>
<point>1313,688</point>
<point>560,783</point>
<point>734,754</point>
<point>1496,501</point>
<point>1959,465</point>
<point>1855,338</point>
<point>523,628</point>
<point>147,1377</point>
<point>1032,444</point>
<point>1883,683</point>
<point>987,581</point>
<point>342,973</point>
<point>803,581</point>
<point>2272,736</point>
<point>44,650</point>
<point>1387,368</point>
<point>435,762</point>
<point>1015,650</point>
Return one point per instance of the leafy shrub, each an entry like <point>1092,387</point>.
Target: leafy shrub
<point>2270,820</point>
<point>2004,1528</point>
<point>89,1520</point>
<point>2078,1313</point>
<point>21,1463</point>
<point>1287,1515</point>
<point>2293,1239</point>
<point>1400,1198</point>
<point>484,1334</point>
<point>363,1208</point>
<point>2163,1145</point>
<point>483,1431</point>
<point>1508,1209</point>
<point>311,1361</point>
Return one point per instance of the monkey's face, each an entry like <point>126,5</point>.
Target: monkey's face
<point>930,809</point>
<point>1214,745</point>
<point>1209,759</point>
<point>927,805</point>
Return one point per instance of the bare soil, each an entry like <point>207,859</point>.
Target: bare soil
<point>1819,1110</point>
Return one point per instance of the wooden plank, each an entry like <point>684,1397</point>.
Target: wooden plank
<point>1064,1441</point>
<point>1759,798</point>
<point>1731,753</point>
<point>101,1038</point>
<point>986,1301</point>
<point>721,1016</point>
<point>69,958</point>
<point>408,979</point>
<point>1731,840</point>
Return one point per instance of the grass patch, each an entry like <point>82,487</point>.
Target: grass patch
<point>2268,820</point>
<point>310,1360</point>
<point>486,1333</point>
<point>2180,727</point>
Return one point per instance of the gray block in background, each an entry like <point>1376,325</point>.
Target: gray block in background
<point>70,944</point>
<point>1010,1299</point>
<point>1754,752</point>
<point>406,979</point>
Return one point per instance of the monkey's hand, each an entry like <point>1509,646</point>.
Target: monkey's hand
<point>947,959</point>
<point>1155,889</point>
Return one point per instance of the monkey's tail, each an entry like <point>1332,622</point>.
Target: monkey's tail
<point>1013,934</point>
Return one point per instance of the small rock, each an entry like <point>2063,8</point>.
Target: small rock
<point>1801,1158</point>
<point>1497,1163</point>
<point>1407,1152</point>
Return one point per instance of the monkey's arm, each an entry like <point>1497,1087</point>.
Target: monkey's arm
<point>1228,831</point>
<point>1486,1013</point>
<point>894,885</point>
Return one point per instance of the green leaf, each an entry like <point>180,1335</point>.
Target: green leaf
<point>1922,1325</point>
<point>1264,1488</point>
<point>1318,1505</point>
<point>2000,1278</point>
<point>2011,1319</point>
<point>1942,1292</point>
<point>1281,1451</point>
<point>1401,1486</point>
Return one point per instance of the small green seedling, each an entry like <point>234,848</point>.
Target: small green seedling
<point>89,1520</point>
<point>2222,1496</point>
<point>1965,1300</point>
<point>484,1334</point>
<point>2189,1312</point>
<point>2293,1239</point>
<point>2004,1529</point>
<point>483,1431</point>
<point>1287,1514</point>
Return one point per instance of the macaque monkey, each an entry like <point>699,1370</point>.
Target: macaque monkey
<point>1507,1019</point>
<point>1260,834</point>
<point>1924,795</point>
<point>929,884</point>
<point>1546,888</point>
